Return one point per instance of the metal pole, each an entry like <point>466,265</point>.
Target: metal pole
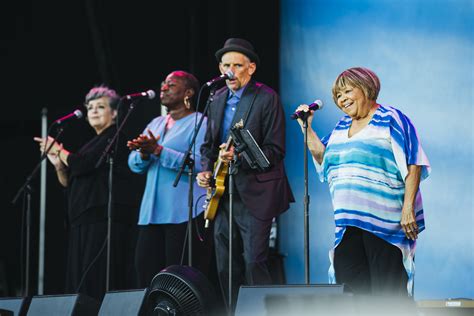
<point>190,210</point>
<point>28,238</point>
<point>42,219</point>
<point>306,202</point>
<point>109,224</point>
<point>231,220</point>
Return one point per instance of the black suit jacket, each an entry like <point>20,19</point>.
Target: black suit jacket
<point>266,194</point>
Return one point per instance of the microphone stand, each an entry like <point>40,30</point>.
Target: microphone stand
<point>232,171</point>
<point>304,118</point>
<point>188,161</point>
<point>27,190</point>
<point>109,220</point>
<point>246,150</point>
<point>109,154</point>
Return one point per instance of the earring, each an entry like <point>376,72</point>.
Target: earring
<point>187,103</point>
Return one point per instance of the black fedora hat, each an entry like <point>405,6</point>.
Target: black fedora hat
<point>238,45</point>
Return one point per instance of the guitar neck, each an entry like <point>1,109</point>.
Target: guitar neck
<point>219,160</point>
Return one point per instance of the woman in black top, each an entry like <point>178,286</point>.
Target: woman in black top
<point>88,192</point>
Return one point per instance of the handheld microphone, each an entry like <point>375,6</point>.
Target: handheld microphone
<point>316,105</point>
<point>227,75</point>
<point>76,114</point>
<point>149,94</point>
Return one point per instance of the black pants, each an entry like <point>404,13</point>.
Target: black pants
<point>368,265</point>
<point>161,245</point>
<point>250,240</point>
<point>87,258</point>
<point>158,246</point>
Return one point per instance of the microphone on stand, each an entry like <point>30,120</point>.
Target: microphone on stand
<point>227,75</point>
<point>77,114</point>
<point>316,105</point>
<point>149,94</point>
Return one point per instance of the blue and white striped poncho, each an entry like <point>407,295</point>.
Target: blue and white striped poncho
<point>366,175</point>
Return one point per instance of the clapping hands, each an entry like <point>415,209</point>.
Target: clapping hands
<point>145,144</point>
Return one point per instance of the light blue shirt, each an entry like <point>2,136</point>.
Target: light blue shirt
<point>229,112</point>
<point>162,203</point>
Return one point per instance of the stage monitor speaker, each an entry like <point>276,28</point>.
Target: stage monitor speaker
<point>65,305</point>
<point>4,312</point>
<point>123,303</point>
<point>16,305</point>
<point>254,300</point>
<point>449,307</point>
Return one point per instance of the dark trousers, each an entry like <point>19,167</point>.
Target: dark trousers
<point>161,245</point>
<point>158,246</point>
<point>87,258</point>
<point>250,240</point>
<point>368,265</point>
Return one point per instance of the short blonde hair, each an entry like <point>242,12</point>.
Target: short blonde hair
<point>362,78</point>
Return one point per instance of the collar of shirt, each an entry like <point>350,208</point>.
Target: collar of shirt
<point>237,93</point>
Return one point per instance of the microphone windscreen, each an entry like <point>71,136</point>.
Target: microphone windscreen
<point>78,113</point>
<point>319,103</point>
<point>230,74</point>
<point>151,94</point>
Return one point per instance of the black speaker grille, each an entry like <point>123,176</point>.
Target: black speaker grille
<point>178,291</point>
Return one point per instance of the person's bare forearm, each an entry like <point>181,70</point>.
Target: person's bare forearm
<point>412,183</point>
<point>62,176</point>
<point>315,146</point>
<point>408,221</point>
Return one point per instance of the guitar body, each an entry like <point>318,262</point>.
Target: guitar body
<point>215,193</point>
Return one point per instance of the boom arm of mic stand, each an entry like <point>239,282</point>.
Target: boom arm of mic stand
<point>119,129</point>
<point>188,153</point>
<point>43,157</point>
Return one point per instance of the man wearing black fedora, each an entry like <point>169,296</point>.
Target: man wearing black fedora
<point>258,197</point>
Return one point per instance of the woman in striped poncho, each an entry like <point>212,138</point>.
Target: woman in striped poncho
<point>373,162</point>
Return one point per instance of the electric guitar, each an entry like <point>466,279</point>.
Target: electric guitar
<point>217,187</point>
